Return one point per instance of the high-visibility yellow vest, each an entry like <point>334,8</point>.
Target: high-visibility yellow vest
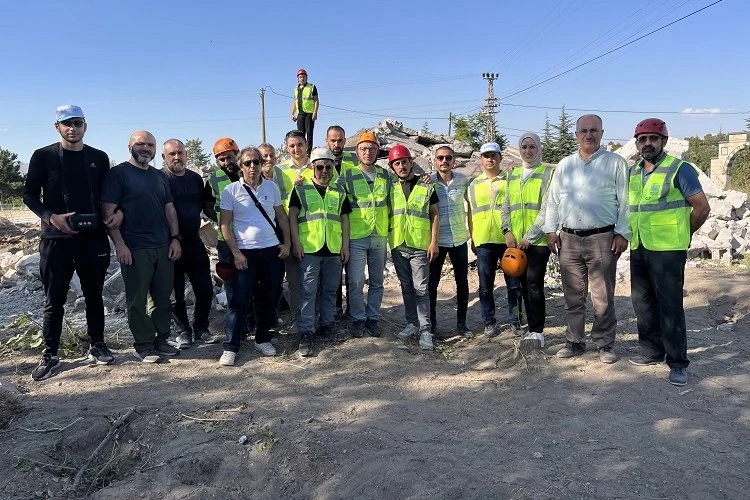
<point>410,219</point>
<point>319,218</point>
<point>525,200</point>
<point>218,181</point>
<point>486,219</point>
<point>308,103</point>
<point>659,213</point>
<point>369,206</point>
<point>284,179</point>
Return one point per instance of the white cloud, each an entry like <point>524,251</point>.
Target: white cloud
<point>701,111</point>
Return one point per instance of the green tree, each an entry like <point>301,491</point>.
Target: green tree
<point>197,159</point>
<point>700,151</point>
<point>472,130</point>
<point>614,146</point>
<point>565,138</point>
<point>739,175</point>
<point>426,128</point>
<point>549,151</point>
<point>11,180</point>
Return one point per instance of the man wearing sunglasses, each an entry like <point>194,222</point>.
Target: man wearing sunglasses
<point>64,180</point>
<point>667,205</point>
<point>319,226</point>
<point>451,188</point>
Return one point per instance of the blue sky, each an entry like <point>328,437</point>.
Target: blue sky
<point>193,69</point>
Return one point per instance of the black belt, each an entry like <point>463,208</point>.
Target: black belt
<point>589,232</point>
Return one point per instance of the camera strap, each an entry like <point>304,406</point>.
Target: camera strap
<point>86,168</point>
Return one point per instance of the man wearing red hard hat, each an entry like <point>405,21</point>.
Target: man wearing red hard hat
<point>305,107</point>
<point>667,205</point>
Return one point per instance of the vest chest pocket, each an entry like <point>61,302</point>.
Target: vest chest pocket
<point>361,190</point>
<point>314,204</point>
<point>659,220</point>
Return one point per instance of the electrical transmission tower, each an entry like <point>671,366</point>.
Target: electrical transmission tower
<point>490,105</point>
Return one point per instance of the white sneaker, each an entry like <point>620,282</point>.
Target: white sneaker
<point>532,342</point>
<point>425,340</point>
<point>407,332</point>
<point>227,358</point>
<point>266,348</point>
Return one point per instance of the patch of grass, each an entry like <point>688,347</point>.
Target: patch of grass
<point>267,439</point>
<point>28,336</point>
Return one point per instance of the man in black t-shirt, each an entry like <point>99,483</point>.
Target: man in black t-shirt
<point>187,190</point>
<point>65,180</point>
<point>319,226</point>
<point>146,245</point>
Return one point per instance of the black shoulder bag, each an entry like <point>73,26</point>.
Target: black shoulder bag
<point>276,229</point>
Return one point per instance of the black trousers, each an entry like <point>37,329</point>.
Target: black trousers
<point>59,258</point>
<point>305,124</point>
<point>460,261</point>
<point>532,286</point>
<point>656,283</point>
<point>194,264</point>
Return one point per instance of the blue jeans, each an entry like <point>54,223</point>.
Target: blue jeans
<point>413,271</point>
<point>368,251</point>
<point>261,280</point>
<point>318,274</point>
<point>488,255</point>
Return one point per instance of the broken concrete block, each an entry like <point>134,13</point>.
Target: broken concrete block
<point>720,209</point>
<point>736,198</point>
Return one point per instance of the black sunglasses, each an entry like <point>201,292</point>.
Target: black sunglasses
<point>444,157</point>
<point>247,163</point>
<point>320,168</point>
<point>73,123</point>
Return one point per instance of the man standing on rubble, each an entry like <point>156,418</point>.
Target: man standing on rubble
<point>667,205</point>
<point>65,180</point>
<point>305,107</point>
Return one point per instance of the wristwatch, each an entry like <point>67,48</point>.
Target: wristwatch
<point>176,237</point>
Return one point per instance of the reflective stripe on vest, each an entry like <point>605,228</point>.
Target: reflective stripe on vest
<point>486,219</point>
<point>659,213</point>
<point>285,185</point>
<point>308,103</point>
<point>369,206</point>
<point>320,218</point>
<point>525,199</point>
<point>410,219</point>
<point>218,181</point>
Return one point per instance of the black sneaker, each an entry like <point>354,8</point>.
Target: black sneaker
<point>677,376</point>
<point>206,337</point>
<point>326,333</point>
<point>515,328</point>
<point>46,367</point>
<point>148,356</point>
<point>100,354</point>
<point>643,360</point>
<point>372,327</point>
<point>491,330</point>
<point>462,329</point>
<point>571,349</point>
<point>162,347</point>
<point>357,329</point>
<point>306,345</point>
<point>183,340</point>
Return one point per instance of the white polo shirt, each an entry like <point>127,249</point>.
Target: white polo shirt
<point>252,230</point>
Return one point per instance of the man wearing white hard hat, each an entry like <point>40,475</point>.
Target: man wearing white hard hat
<point>319,226</point>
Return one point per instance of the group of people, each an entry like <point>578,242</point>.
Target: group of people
<point>326,216</point>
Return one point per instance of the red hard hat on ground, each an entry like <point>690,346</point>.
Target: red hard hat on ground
<point>652,126</point>
<point>514,262</point>
<point>225,271</point>
<point>397,152</point>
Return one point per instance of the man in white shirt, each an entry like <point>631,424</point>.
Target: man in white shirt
<point>250,228</point>
<point>588,204</point>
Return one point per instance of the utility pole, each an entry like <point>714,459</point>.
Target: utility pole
<point>263,115</point>
<point>450,122</point>
<point>490,105</point>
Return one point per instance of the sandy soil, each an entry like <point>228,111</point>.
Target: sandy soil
<point>375,418</point>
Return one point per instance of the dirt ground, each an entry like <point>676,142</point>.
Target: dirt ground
<point>375,418</point>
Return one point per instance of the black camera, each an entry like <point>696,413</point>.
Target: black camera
<point>83,222</point>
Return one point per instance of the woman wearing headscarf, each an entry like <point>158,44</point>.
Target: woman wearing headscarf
<point>523,214</point>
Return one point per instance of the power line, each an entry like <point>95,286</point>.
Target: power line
<point>610,51</point>
<point>630,111</point>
